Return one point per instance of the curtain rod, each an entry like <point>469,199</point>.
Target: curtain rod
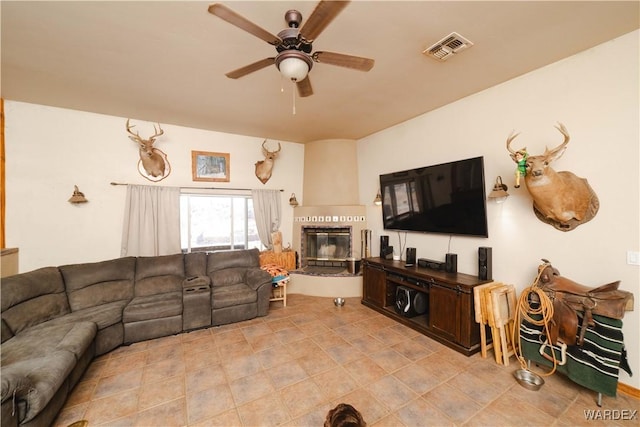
<point>202,188</point>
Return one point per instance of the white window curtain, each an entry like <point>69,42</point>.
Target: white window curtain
<point>151,223</point>
<point>267,210</point>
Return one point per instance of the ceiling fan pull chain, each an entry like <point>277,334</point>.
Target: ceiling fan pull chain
<point>293,93</point>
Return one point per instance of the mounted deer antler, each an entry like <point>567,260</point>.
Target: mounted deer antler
<point>561,199</point>
<point>153,160</point>
<point>265,167</point>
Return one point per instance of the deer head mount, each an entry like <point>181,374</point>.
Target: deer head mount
<point>560,199</point>
<point>152,161</point>
<point>265,167</point>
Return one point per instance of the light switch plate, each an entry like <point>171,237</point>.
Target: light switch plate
<point>633,258</point>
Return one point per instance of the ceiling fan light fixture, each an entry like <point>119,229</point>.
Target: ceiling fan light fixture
<point>294,65</point>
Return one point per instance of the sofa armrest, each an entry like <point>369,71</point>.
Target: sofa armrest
<point>195,281</point>
<point>257,277</point>
<point>14,384</point>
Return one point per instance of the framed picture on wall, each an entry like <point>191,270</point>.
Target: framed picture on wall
<point>213,167</point>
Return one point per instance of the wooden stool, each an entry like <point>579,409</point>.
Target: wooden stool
<point>279,291</point>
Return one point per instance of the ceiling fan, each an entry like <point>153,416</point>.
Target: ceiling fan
<point>293,44</point>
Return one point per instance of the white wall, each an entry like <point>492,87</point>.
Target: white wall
<point>49,150</point>
<point>595,94</point>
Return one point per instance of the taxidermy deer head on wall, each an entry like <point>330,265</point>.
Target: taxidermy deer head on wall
<point>264,167</point>
<point>560,199</point>
<point>154,161</point>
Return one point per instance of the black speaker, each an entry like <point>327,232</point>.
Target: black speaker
<point>411,257</point>
<point>384,244</point>
<point>386,253</point>
<point>451,263</point>
<point>484,263</point>
<point>410,303</point>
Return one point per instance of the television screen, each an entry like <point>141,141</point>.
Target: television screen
<point>448,198</point>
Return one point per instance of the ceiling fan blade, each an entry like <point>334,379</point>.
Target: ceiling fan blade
<point>321,17</point>
<point>248,69</point>
<point>304,88</point>
<point>233,18</point>
<point>342,60</point>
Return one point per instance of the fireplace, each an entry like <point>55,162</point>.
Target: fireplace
<point>326,246</point>
<point>327,239</point>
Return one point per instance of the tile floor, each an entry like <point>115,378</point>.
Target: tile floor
<point>290,367</point>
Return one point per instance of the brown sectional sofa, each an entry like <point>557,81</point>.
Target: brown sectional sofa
<point>55,320</point>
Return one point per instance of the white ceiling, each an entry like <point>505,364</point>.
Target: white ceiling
<point>165,61</point>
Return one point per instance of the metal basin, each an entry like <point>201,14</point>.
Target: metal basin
<point>528,379</point>
<point>338,302</point>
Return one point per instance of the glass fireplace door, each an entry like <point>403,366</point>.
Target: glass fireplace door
<point>323,244</point>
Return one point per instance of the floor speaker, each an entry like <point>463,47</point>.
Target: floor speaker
<point>410,303</point>
<point>384,244</point>
<point>484,263</point>
<point>411,257</point>
<point>451,263</point>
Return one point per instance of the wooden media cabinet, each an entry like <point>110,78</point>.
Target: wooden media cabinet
<point>449,317</point>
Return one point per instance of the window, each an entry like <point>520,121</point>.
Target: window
<point>210,222</point>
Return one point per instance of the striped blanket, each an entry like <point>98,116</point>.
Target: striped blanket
<point>595,365</point>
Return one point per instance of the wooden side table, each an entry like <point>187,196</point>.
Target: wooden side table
<point>279,291</point>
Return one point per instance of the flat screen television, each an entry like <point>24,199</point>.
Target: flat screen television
<point>448,198</point>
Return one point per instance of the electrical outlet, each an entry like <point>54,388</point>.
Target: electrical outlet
<point>633,258</point>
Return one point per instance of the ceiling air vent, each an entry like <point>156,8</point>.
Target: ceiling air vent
<point>448,47</point>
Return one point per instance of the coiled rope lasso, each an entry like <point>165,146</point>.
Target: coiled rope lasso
<point>544,311</point>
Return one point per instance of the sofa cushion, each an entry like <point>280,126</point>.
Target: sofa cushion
<point>44,375</point>
<point>153,307</point>
<point>93,284</point>
<point>32,298</point>
<point>103,316</point>
<point>233,259</point>
<point>230,267</point>
<point>228,276</point>
<point>159,274</point>
<point>43,339</point>
<point>226,296</point>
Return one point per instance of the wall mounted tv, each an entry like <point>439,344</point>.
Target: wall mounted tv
<point>448,198</point>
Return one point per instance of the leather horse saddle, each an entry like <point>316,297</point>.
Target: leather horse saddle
<point>569,297</point>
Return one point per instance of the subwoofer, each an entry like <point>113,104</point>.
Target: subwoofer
<point>410,303</point>
<point>384,244</point>
<point>484,263</point>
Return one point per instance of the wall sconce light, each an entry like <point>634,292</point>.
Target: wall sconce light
<point>378,200</point>
<point>77,197</point>
<point>499,193</point>
<point>292,200</point>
